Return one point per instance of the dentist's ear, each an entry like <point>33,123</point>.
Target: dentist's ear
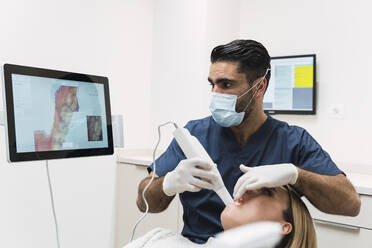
<point>261,87</point>
<point>286,228</point>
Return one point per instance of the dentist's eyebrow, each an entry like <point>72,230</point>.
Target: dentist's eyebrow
<point>222,80</point>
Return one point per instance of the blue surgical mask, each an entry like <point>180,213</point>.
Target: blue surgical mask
<point>223,107</point>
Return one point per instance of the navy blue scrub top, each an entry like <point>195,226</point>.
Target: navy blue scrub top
<point>274,143</point>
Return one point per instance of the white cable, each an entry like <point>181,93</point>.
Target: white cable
<point>151,180</point>
<point>52,201</point>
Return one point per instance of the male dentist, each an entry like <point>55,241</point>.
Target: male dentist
<point>251,150</point>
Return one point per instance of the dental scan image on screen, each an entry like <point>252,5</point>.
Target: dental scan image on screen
<point>291,86</point>
<point>55,114</point>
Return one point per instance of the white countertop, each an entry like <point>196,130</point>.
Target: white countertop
<point>361,182</point>
<point>143,157</point>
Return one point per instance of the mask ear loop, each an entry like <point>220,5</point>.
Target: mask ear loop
<point>256,90</point>
<point>267,70</point>
<point>250,101</point>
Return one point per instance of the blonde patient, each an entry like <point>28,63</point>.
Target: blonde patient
<point>280,204</point>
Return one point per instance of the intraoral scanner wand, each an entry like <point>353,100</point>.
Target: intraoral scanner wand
<point>192,148</point>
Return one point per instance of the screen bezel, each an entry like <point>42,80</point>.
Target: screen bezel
<point>13,155</point>
<point>298,112</point>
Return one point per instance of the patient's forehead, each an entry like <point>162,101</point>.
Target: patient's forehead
<point>280,191</point>
<point>276,190</point>
<point>278,194</point>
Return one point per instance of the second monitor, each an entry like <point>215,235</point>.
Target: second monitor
<point>291,89</point>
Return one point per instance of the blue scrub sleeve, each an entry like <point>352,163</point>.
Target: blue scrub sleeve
<point>169,160</point>
<point>313,158</point>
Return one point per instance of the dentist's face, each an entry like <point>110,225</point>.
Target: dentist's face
<point>225,79</point>
<point>261,205</point>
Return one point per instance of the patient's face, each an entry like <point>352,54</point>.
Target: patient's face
<point>260,205</point>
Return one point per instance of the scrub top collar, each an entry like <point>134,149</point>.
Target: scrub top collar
<point>254,141</point>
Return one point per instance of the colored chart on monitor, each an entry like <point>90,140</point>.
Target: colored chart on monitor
<point>60,114</point>
<point>292,85</point>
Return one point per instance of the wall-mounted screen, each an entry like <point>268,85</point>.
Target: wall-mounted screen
<point>292,84</point>
<point>56,114</point>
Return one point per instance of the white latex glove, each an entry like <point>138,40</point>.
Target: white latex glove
<point>267,176</point>
<point>192,175</point>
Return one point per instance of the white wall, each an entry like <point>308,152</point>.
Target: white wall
<point>178,60</point>
<point>184,32</point>
<point>337,31</point>
<point>110,38</point>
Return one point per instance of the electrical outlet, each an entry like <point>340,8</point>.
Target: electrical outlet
<point>337,111</point>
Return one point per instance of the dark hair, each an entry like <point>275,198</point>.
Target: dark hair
<point>252,56</point>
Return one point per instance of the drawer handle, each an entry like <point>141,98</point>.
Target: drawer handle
<point>336,224</point>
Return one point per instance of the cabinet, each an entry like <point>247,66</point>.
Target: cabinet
<point>342,231</point>
<point>330,235</point>
<point>127,213</point>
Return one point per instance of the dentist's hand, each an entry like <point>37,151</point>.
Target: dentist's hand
<point>267,176</point>
<point>191,175</point>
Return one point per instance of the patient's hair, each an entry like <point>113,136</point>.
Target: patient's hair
<point>303,233</point>
<point>252,56</point>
